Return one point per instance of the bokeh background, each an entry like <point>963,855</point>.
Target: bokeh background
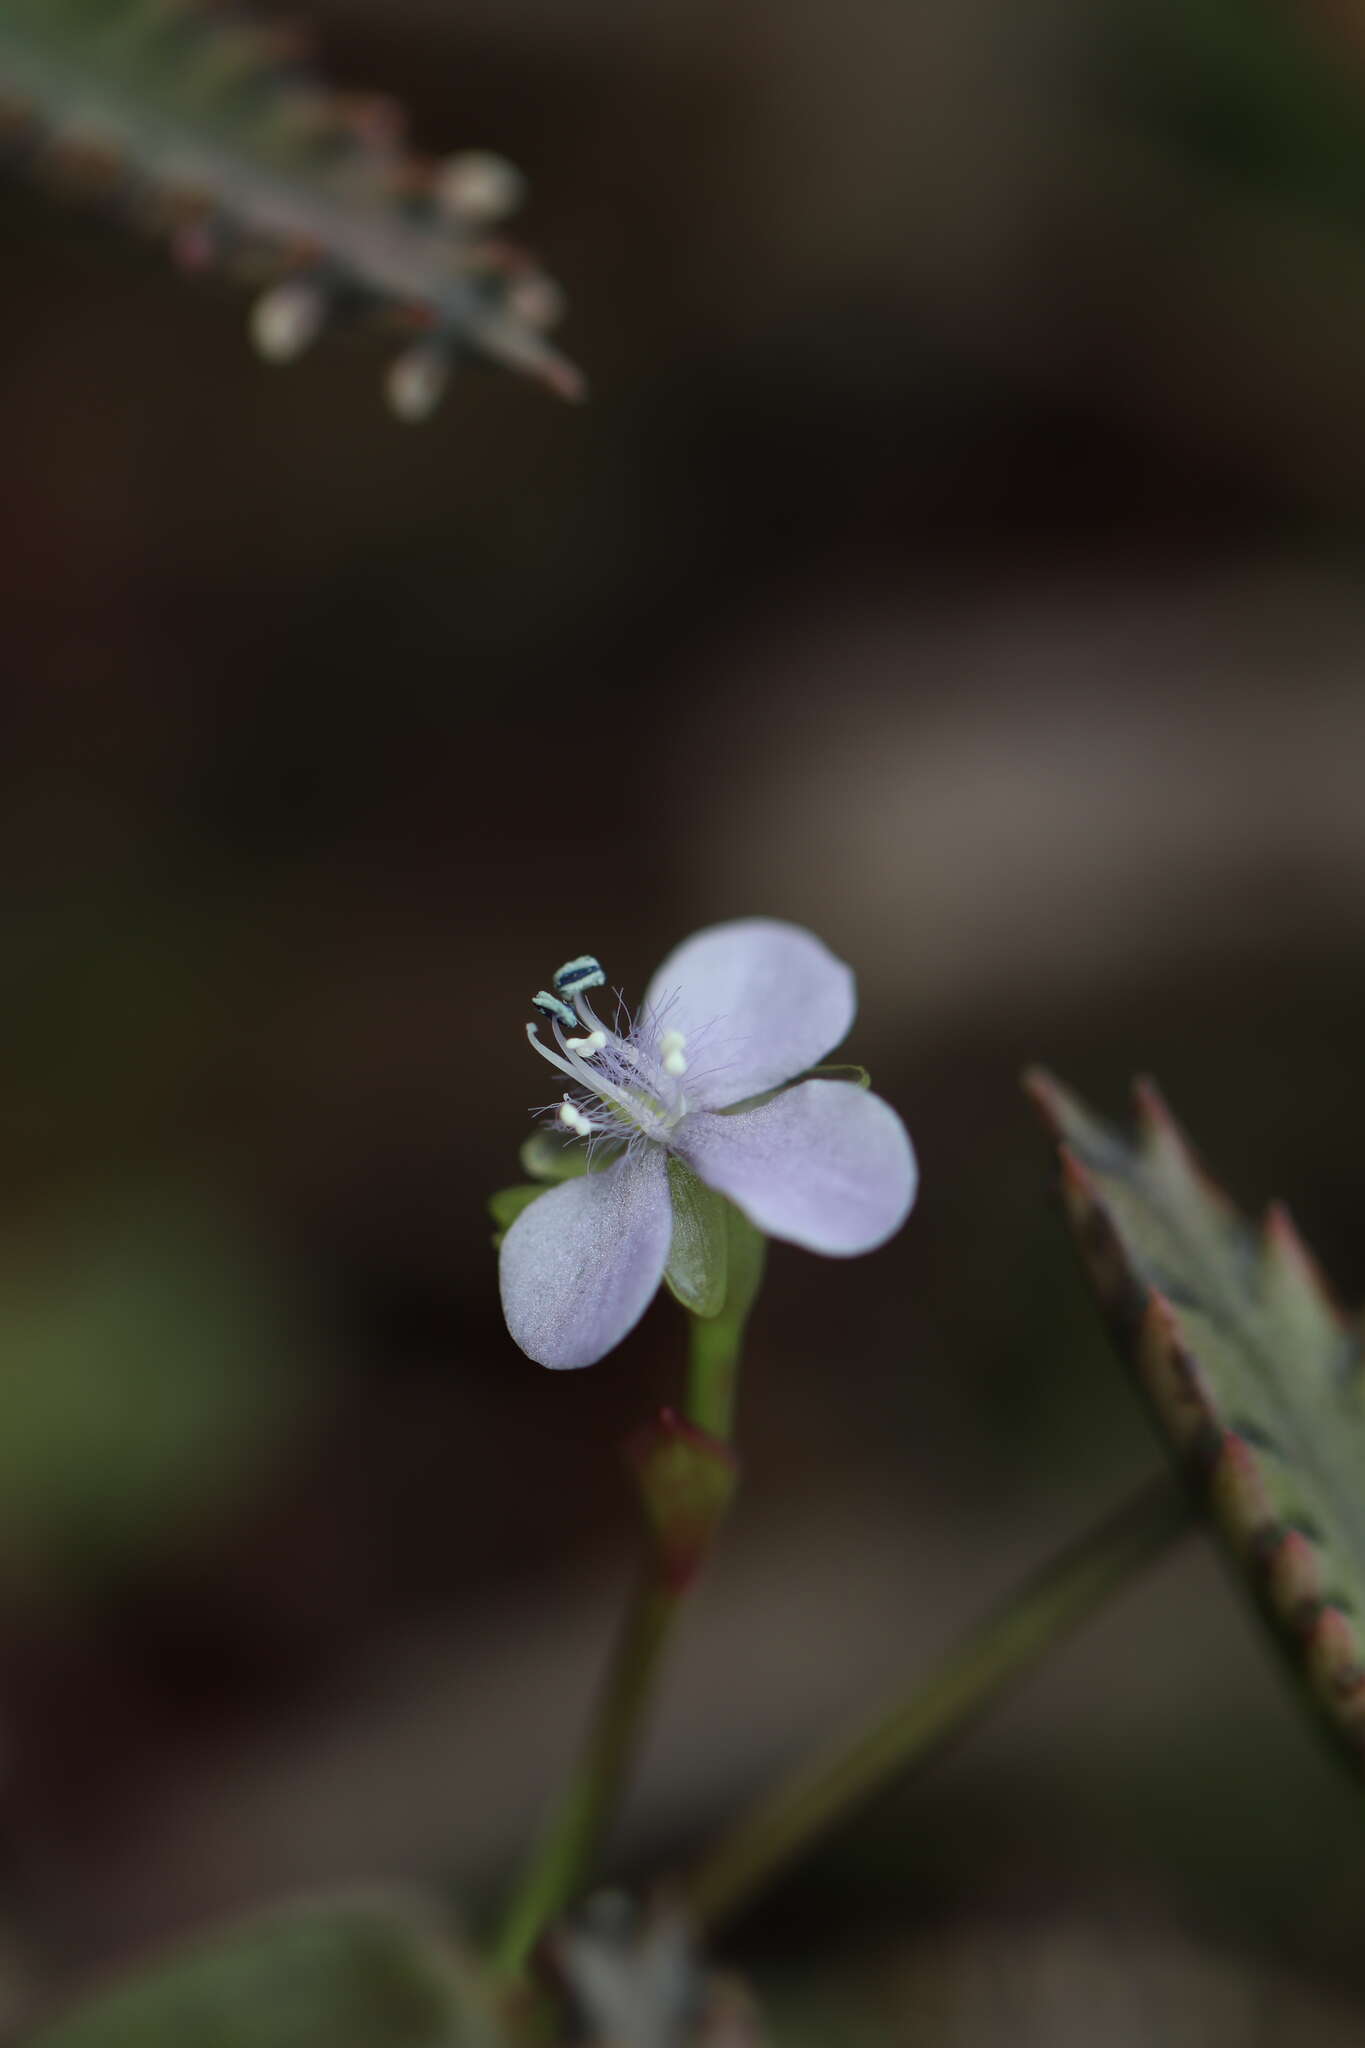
<point>960,554</point>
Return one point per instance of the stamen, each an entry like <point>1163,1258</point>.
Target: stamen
<point>532,1033</point>
<point>586,1047</point>
<point>584,972</point>
<point>551,1007</point>
<point>574,1120</point>
<point>671,1052</point>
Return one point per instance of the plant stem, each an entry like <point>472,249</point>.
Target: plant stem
<point>684,1523</point>
<point>969,1680</point>
<point>713,1374</point>
<point>588,1802</point>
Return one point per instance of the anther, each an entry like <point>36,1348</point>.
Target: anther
<point>586,1047</point>
<point>575,975</point>
<point>671,1051</point>
<point>574,1120</point>
<point>550,1006</point>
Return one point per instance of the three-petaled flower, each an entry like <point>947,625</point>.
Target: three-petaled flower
<point>707,1077</point>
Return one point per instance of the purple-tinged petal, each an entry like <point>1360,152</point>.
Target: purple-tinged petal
<point>758,1002</point>
<point>825,1165</point>
<point>579,1268</point>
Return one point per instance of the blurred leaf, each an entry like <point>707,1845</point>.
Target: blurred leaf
<point>1256,91</point>
<point>205,123</point>
<point>355,1973</point>
<point>1254,1377</point>
<point>507,1205</point>
<point>546,1157</point>
<point>698,1254</point>
<point>147,1372</point>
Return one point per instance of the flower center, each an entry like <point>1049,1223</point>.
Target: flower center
<point>628,1078</point>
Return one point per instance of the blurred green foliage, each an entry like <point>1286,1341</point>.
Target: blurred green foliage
<point>149,1375</point>
<point>351,1974</point>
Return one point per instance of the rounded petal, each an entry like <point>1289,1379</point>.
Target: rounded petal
<point>825,1165</point>
<point>581,1265</point>
<point>759,1001</point>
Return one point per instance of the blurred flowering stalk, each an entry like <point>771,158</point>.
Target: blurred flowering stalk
<point>193,120</point>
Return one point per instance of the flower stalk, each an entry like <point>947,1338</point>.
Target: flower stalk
<point>915,1729</point>
<point>686,1474</point>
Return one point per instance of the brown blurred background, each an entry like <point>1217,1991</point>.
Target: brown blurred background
<point>959,555</point>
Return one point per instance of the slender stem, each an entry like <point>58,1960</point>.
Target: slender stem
<point>569,1849</point>
<point>969,1680</point>
<point>713,1373</point>
<point>588,1801</point>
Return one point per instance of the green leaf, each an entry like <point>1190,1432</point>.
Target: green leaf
<point>546,1157</point>
<point>859,1076</point>
<point>371,1972</point>
<point>507,1204</point>
<point>698,1258</point>
<point>1252,1373</point>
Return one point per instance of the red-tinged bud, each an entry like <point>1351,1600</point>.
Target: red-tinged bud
<point>687,1479</point>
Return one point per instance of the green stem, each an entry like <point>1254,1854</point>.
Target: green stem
<point>587,1804</point>
<point>713,1374</point>
<point>569,1849</point>
<point>970,1679</point>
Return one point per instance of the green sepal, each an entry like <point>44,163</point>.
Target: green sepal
<point>687,1479</point>
<point>507,1205</point>
<point>856,1077</point>
<point>698,1258</point>
<point>359,1972</point>
<point>549,1158</point>
<point>746,1250</point>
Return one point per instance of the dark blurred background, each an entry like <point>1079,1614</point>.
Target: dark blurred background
<point>960,555</point>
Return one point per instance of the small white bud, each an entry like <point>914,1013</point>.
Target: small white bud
<point>287,319</point>
<point>478,188</point>
<point>415,382</point>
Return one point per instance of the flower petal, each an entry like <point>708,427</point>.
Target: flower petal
<point>758,1001</point>
<point>581,1265</point>
<point>825,1165</point>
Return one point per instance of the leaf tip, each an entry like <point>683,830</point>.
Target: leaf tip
<point>1290,1258</point>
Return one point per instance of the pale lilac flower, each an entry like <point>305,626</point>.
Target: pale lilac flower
<point>736,1012</point>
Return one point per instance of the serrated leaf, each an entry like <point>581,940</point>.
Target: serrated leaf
<point>1253,1375</point>
<point>698,1256</point>
<point>356,1973</point>
<point>203,122</point>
